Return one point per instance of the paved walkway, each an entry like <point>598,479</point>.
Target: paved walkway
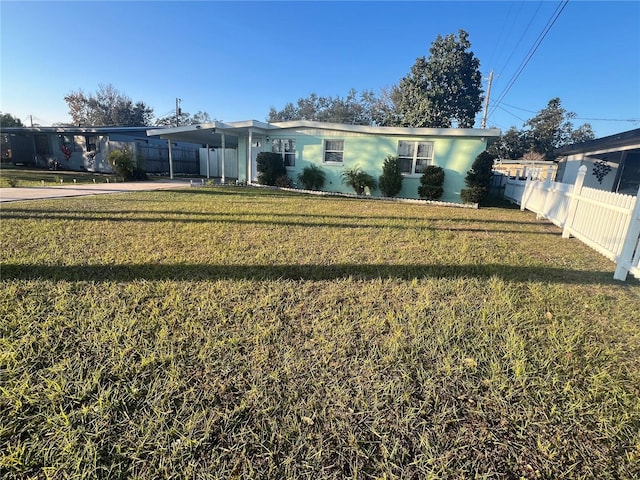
<point>37,193</point>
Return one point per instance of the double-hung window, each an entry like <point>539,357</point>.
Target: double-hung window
<point>333,151</point>
<point>287,148</point>
<point>413,156</point>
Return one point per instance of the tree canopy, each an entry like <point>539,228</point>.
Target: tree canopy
<point>443,89</point>
<point>8,120</point>
<point>549,129</point>
<point>355,109</point>
<point>184,118</point>
<point>107,107</point>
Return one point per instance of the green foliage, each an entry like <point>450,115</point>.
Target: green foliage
<point>358,180</point>
<point>551,128</point>
<point>122,163</point>
<point>390,182</point>
<point>107,107</point>
<point>354,109</point>
<point>431,182</point>
<point>478,179</point>
<point>283,181</point>
<point>8,120</point>
<point>312,177</point>
<point>444,88</point>
<point>270,167</point>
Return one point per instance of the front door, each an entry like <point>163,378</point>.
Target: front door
<point>256,147</point>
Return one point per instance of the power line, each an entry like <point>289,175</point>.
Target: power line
<point>531,52</point>
<point>577,118</point>
<point>521,37</point>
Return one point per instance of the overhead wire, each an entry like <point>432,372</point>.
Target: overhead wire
<point>561,6</point>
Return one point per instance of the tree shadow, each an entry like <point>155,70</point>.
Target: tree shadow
<point>312,272</point>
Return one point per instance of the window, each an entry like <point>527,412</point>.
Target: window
<point>287,148</point>
<point>414,156</point>
<point>333,151</point>
<point>93,143</point>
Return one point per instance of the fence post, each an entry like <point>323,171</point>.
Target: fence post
<point>630,243</point>
<point>577,191</point>
<point>527,186</point>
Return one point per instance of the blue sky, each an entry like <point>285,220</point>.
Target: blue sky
<point>236,59</point>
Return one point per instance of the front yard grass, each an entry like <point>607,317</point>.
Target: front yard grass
<point>245,333</point>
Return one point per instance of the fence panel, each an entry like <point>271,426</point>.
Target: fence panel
<point>605,221</point>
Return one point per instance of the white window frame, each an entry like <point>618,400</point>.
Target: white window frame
<point>333,151</point>
<point>278,145</point>
<point>415,159</point>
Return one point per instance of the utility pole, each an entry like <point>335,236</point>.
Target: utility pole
<point>178,111</point>
<point>486,102</point>
<point>31,120</point>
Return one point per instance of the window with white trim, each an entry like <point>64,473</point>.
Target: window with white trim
<point>413,156</point>
<point>287,148</point>
<point>333,151</point>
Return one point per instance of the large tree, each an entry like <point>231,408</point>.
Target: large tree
<point>355,109</point>
<point>107,107</point>
<point>549,129</point>
<point>444,89</point>
<point>184,118</point>
<point>8,120</point>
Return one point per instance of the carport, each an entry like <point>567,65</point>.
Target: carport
<point>247,137</point>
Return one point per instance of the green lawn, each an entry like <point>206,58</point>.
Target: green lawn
<point>11,176</point>
<point>246,333</point>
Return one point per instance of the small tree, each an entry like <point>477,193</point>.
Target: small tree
<point>312,177</point>
<point>122,162</point>
<point>478,179</point>
<point>270,167</point>
<point>431,182</point>
<point>390,181</point>
<point>358,180</point>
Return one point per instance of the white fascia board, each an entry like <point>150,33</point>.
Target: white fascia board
<point>442,132</point>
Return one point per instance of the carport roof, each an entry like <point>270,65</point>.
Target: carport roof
<point>210,133</point>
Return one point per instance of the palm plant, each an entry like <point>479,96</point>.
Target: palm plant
<point>358,180</point>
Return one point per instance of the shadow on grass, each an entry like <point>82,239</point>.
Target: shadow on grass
<point>195,272</point>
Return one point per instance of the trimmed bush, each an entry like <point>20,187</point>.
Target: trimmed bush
<point>123,164</point>
<point>390,182</point>
<point>431,183</point>
<point>358,180</point>
<point>284,181</point>
<point>270,167</point>
<point>478,179</point>
<point>312,177</point>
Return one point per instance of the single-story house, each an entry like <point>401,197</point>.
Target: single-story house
<point>335,148</point>
<point>613,162</point>
<point>87,148</point>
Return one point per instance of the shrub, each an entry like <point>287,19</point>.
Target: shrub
<point>478,179</point>
<point>122,162</point>
<point>358,180</point>
<point>283,181</point>
<point>473,194</point>
<point>391,179</point>
<point>431,182</point>
<point>312,177</point>
<point>270,167</point>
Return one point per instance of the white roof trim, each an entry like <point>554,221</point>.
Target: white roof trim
<point>255,124</point>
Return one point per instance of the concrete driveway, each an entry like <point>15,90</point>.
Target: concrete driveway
<point>36,193</point>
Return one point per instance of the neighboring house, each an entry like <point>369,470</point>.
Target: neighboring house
<point>87,148</point>
<point>335,148</point>
<point>613,162</point>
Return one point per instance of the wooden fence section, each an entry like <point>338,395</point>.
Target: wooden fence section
<point>607,222</point>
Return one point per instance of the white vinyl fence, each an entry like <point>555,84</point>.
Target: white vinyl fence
<point>607,222</point>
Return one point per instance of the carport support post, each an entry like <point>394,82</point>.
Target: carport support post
<point>170,160</point>
<point>249,156</point>
<point>223,149</point>
<point>207,160</point>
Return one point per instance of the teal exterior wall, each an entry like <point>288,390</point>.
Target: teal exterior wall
<point>455,154</point>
